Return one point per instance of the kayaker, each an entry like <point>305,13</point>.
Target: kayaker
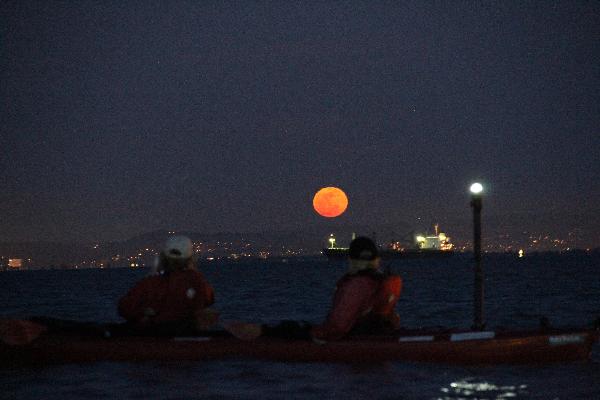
<point>365,298</point>
<point>364,303</point>
<point>176,298</point>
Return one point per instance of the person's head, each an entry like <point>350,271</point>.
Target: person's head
<point>363,254</point>
<point>177,254</point>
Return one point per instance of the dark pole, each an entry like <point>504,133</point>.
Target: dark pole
<point>476,204</point>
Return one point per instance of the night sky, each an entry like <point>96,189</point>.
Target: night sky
<point>119,118</point>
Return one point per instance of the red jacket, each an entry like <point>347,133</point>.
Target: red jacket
<point>364,300</point>
<point>173,297</point>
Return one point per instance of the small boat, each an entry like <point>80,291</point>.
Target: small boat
<point>435,346</point>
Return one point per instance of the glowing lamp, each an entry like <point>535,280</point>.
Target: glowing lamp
<point>476,188</point>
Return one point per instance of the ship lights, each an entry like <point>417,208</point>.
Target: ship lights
<point>331,241</point>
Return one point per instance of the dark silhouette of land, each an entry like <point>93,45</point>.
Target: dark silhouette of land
<point>540,232</point>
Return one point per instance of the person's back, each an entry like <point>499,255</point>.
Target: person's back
<point>379,315</point>
<point>364,299</point>
<point>167,298</point>
<point>178,293</point>
<point>364,303</point>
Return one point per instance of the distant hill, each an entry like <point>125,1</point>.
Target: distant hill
<point>572,229</point>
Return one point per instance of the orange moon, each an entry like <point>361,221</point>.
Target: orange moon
<point>330,202</point>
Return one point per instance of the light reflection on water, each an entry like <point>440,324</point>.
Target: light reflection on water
<point>469,388</point>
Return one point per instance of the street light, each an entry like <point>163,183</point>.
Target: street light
<point>476,204</point>
<point>476,188</point>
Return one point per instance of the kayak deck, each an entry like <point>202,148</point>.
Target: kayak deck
<point>476,347</point>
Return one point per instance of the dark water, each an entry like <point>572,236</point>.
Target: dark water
<point>564,288</point>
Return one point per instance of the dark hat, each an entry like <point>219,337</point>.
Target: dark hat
<point>363,248</point>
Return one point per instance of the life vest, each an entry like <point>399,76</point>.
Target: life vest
<point>381,317</point>
<point>173,297</point>
<point>374,314</point>
<point>389,293</point>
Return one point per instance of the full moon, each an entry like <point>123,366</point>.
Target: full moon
<point>330,202</point>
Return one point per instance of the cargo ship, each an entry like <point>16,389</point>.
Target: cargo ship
<point>422,246</point>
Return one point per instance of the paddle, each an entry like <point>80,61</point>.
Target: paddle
<point>243,330</point>
<point>286,329</point>
<point>24,331</point>
<point>16,332</point>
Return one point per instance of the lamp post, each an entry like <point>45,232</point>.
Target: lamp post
<point>476,194</point>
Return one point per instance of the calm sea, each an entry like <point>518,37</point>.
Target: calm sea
<point>564,288</point>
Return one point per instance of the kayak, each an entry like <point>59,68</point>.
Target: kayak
<point>434,346</point>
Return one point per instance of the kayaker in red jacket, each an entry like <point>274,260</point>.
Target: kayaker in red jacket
<point>363,303</point>
<point>364,299</point>
<point>177,294</point>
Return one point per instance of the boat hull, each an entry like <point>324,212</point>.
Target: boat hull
<point>415,253</point>
<point>460,348</point>
<point>342,254</point>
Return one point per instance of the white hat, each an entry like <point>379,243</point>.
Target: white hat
<point>178,247</point>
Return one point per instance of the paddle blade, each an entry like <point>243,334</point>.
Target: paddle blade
<point>18,332</point>
<point>243,330</point>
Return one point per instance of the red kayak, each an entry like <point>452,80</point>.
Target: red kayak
<point>471,347</point>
